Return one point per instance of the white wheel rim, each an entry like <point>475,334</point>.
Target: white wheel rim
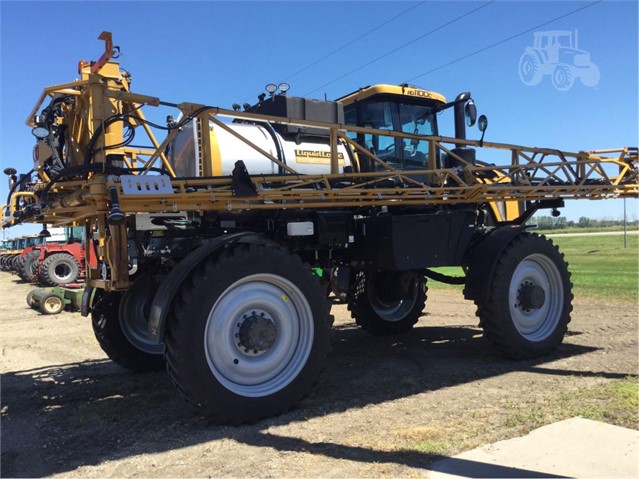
<point>136,332</point>
<point>275,302</point>
<point>536,324</point>
<point>133,321</point>
<point>62,271</point>
<point>392,311</point>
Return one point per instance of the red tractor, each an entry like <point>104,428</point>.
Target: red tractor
<point>54,264</point>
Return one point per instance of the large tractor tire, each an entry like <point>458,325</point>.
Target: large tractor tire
<point>248,333</point>
<point>18,261</point>
<point>382,315</point>
<point>29,267</point>
<point>58,269</point>
<point>527,309</point>
<point>530,69</point>
<point>121,332</point>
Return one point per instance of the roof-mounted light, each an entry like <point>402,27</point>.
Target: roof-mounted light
<point>284,87</point>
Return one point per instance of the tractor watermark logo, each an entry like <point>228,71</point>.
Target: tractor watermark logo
<point>556,53</point>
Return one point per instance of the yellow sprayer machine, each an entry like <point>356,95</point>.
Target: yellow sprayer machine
<point>211,250</point>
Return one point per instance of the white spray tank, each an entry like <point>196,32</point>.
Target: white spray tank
<point>305,150</point>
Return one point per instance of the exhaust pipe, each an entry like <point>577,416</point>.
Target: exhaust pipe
<point>460,122</point>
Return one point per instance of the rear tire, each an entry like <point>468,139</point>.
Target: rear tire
<point>527,310</point>
<point>58,269</point>
<point>530,69</point>
<point>107,327</point>
<point>248,333</point>
<point>383,317</point>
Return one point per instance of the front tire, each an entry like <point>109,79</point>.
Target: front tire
<point>563,77</point>
<point>248,334</point>
<point>529,301</point>
<point>381,316</point>
<point>113,335</point>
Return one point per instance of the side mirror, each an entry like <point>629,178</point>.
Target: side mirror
<point>482,123</point>
<point>470,112</point>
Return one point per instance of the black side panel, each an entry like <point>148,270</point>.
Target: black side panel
<point>409,242</point>
<point>333,227</point>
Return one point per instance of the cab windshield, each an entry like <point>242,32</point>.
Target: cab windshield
<point>391,115</point>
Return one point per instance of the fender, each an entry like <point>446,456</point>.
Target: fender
<point>483,258</point>
<point>166,292</point>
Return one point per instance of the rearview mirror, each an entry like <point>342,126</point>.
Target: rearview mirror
<point>470,112</point>
<point>482,123</point>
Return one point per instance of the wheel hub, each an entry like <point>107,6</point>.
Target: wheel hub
<point>531,296</point>
<point>256,332</point>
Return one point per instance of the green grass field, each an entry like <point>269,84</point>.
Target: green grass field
<point>594,229</point>
<point>600,266</point>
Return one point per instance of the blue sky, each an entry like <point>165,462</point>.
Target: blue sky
<point>219,53</point>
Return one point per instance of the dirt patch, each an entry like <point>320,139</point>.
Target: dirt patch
<point>383,407</point>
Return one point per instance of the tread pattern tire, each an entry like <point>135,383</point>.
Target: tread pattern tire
<point>191,363</point>
<point>530,69</point>
<point>505,324</point>
<point>563,77</point>
<point>18,263</point>
<point>51,266</point>
<point>29,266</point>
<point>365,315</point>
<point>108,331</point>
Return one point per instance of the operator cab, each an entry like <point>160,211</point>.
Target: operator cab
<point>394,108</point>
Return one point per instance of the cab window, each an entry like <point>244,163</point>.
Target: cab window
<point>350,118</point>
<point>380,115</point>
<point>392,115</point>
<point>417,120</point>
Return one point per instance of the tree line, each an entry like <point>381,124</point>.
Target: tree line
<point>561,222</point>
